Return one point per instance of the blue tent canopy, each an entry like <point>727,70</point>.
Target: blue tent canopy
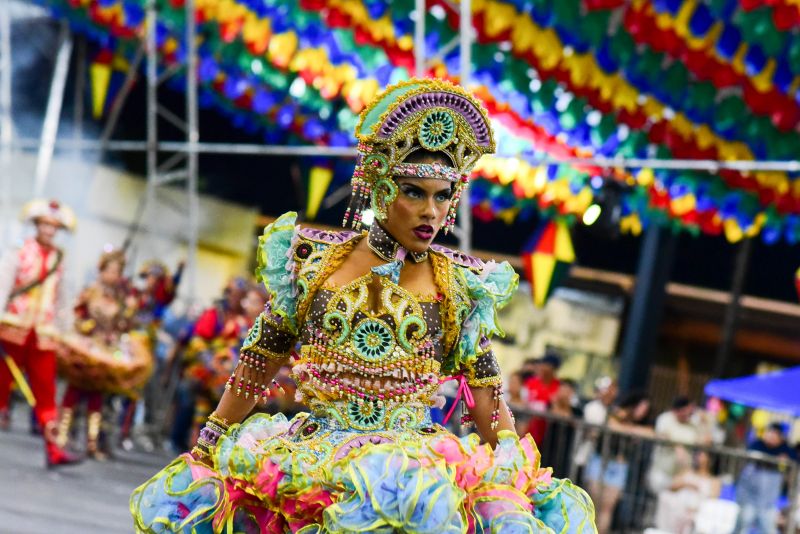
<point>778,391</point>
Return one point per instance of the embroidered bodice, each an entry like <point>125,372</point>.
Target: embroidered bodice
<point>103,311</point>
<point>367,357</point>
<point>371,353</point>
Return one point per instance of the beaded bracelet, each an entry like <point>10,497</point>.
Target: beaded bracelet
<point>209,435</point>
<point>252,372</point>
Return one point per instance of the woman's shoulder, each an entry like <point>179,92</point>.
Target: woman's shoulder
<point>458,258</point>
<point>312,244</point>
<point>286,234</point>
<point>326,237</point>
<point>500,279</point>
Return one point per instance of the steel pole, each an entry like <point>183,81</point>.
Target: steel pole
<point>419,38</point>
<point>6,121</point>
<point>193,136</point>
<point>151,111</point>
<point>53,113</point>
<point>728,338</point>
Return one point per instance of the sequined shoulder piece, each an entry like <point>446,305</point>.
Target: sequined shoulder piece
<point>327,237</point>
<point>459,258</point>
<point>317,254</point>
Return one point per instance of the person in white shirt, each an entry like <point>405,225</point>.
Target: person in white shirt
<point>679,425</point>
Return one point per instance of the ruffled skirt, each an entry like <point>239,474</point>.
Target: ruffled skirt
<point>274,476</point>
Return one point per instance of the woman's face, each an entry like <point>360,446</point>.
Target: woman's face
<point>701,460</point>
<point>111,273</point>
<point>418,212</point>
<point>641,410</point>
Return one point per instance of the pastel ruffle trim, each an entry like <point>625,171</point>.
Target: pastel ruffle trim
<point>276,267</point>
<point>441,485</point>
<point>490,290</point>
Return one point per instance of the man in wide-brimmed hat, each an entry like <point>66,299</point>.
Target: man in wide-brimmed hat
<point>31,297</point>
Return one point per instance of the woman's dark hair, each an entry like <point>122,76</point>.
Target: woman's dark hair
<point>569,383</point>
<point>113,256</point>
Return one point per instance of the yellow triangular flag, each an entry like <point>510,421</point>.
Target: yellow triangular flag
<point>543,267</point>
<point>563,247</point>
<point>318,181</point>
<point>100,74</point>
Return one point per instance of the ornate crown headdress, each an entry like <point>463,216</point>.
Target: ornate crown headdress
<point>420,114</point>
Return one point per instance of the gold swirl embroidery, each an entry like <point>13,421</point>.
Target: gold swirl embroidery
<point>352,299</point>
<point>455,306</point>
<point>312,275</point>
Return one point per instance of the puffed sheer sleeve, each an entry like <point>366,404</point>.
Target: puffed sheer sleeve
<point>488,290</point>
<point>275,331</point>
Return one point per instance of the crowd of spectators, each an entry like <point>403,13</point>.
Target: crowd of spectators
<point>653,470</point>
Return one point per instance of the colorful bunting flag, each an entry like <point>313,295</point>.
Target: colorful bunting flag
<point>546,259</point>
<point>100,76</point>
<point>318,181</point>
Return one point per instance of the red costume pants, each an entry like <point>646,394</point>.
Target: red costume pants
<point>73,395</point>
<point>40,368</point>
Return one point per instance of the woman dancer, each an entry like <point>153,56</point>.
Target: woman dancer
<point>382,317</point>
<point>92,358</point>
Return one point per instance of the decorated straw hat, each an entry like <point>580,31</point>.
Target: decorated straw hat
<point>54,210</point>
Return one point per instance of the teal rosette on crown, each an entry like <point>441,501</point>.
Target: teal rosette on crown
<point>489,291</point>
<point>276,268</point>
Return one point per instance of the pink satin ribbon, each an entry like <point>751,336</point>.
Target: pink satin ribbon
<point>463,389</point>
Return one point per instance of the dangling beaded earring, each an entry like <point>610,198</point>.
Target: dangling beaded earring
<point>450,220</point>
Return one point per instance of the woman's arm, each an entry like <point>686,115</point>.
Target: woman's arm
<point>485,405</point>
<point>236,403</point>
<point>83,323</point>
<point>263,352</point>
<point>716,488</point>
<point>234,408</point>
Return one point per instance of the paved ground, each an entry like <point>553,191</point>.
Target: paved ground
<point>89,498</point>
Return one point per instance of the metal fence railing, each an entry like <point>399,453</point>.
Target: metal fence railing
<point>641,483</point>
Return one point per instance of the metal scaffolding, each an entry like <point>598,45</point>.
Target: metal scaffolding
<point>180,164</point>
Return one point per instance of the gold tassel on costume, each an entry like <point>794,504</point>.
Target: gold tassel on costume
<point>64,425</point>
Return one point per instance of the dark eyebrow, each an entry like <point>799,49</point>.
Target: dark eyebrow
<point>412,186</point>
<point>448,191</point>
<point>408,185</point>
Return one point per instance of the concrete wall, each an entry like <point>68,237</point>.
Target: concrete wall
<point>583,326</point>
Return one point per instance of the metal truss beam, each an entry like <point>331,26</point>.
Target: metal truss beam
<point>249,149</point>
<point>182,164</point>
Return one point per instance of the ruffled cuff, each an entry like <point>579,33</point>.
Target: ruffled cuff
<point>276,268</point>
